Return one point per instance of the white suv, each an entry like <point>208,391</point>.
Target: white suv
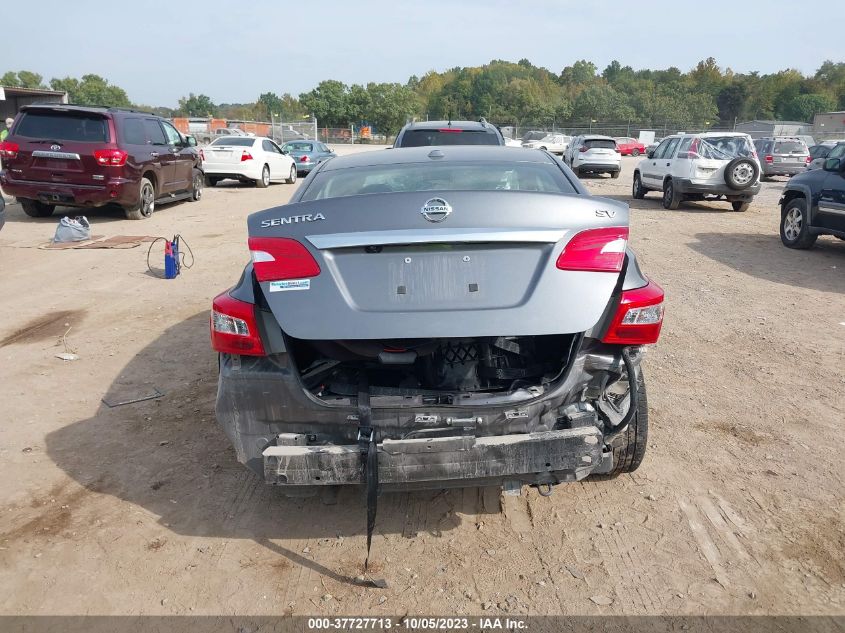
<point>591,153</point>
<point>706,166</point>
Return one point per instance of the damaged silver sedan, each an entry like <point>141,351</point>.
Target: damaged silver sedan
<point>436,317</point>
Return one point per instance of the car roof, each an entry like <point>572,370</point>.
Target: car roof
<point>459,125</point>
<point>62,107</point>
<point>445,153</point>
<point>597,137</point>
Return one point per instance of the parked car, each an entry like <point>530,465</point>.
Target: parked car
<point>248,159</point>
<point>594,154</point>
<point>629,146</point>
<point>705,166</point>
<point>307,154</point>
<point>426,133</point>
<point>83,156</point>
<point>781,156</point>
<point>818,153</point>
<point>813,203</point>
<point>512,142</point>
<point>534,135</point>
<point>481,318</point>
<point>554,143</point>
<point>221,132</point>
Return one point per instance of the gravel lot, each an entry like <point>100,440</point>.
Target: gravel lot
<point>738,507</point>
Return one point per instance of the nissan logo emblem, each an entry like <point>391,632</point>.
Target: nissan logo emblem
<point>436,210</point>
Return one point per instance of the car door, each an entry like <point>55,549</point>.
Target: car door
<point>160,155</point>
<point>666,164</point>
<point>649,172</point>
<point>273,156</point>
<point>183,158</point>
<point>831,213</point>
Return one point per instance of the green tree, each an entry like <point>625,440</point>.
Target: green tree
<point>731,102</point>
<point>327,102</point>
<point>92,90</point>
<point>391,105</point>
<point>269,103</point>
<point>805,107</point>
<point>22,79</point>
<point>197,106</point>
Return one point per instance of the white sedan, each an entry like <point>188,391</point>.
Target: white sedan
<point>248,159</point>
<point>554,143</point>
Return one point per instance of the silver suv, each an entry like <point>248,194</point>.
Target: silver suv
<point>782,156</point>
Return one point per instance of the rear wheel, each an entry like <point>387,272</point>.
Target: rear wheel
<point>614,174</point>
<point>264,181</point>
<point>740,206</point>
<point>635,152</point>
<point>146,201</point>
<point>638,190</point>
<point>36,209</point>
<point>671,198</point>
<point>292,178</point>
<point>794,228</point>
<point>629,444</point>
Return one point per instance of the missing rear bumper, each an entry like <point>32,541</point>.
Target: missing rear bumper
<point>544,457</point>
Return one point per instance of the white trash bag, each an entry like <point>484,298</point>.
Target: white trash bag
<point>73,230</point>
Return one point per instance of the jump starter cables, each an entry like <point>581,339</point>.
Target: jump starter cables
<point>174,257</point>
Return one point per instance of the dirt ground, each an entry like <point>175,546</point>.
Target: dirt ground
<point>142,509</point>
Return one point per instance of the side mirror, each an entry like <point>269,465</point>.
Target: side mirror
<point>650,154</point>
<point>190,141</point>
<point>833,164</point>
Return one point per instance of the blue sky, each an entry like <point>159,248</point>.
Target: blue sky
<point>233,51</point>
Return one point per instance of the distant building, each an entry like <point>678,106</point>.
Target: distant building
<point>12,99</point>
<point>829,125</point>
<point>761,129</point>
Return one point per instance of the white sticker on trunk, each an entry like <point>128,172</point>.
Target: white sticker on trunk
<point>290,284</point>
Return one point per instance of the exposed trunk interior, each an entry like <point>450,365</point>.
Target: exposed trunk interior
<point>440,371</point>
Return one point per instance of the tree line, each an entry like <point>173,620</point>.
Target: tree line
<point>518,93</point>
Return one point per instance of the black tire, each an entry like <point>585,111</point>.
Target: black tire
<point>671,198</point>
<point>196,185</point>
<point>292,178</point>
<point>146,201</point>
<point>264,181</point>
<point>635,152</point>
<point>794,228</point>
<point>614,174</point>
<point>629,445</point>
<point>740,206</point>
<point>638,190</point>
<point>741,173</point>
<point>211,181</point>
<point>36,208</point>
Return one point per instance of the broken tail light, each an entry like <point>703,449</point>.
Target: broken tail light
<point>638,317</point>
<point>8,149</point>
<point>277,258</point>
<point>110,157</point>
<point>234,329</point>
<point>595,250</point>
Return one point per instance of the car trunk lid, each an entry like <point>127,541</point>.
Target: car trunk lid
<point>385,271</point>
<point>229,152</point>
<point>58,145</point>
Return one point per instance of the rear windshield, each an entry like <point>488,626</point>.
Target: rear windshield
<point>725,147</point>
<point>599,143</point>
<point>790,147</point>
<point>239,141</point>
<point>491,176</point>
<point>63,126</point>
<point>299,147</point>
<point>421,138</point>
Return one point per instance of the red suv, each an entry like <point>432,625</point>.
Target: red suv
<point>85,156</point>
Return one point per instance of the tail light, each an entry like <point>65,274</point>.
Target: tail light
<point>450,130</point>
<point>770,159</point>
<point>276,258</point>
<point>246,156</point>
<point>638,317</point>
<point>595,250</point>
<point>202,155</point>
<point>303,159</point>
<point>234,329</point>
<point>8,149</point>
<point>110,157</point>
<point>809,159</point>
<point>583,148</point>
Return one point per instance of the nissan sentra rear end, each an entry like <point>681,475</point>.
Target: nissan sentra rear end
<point>444,316</point>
